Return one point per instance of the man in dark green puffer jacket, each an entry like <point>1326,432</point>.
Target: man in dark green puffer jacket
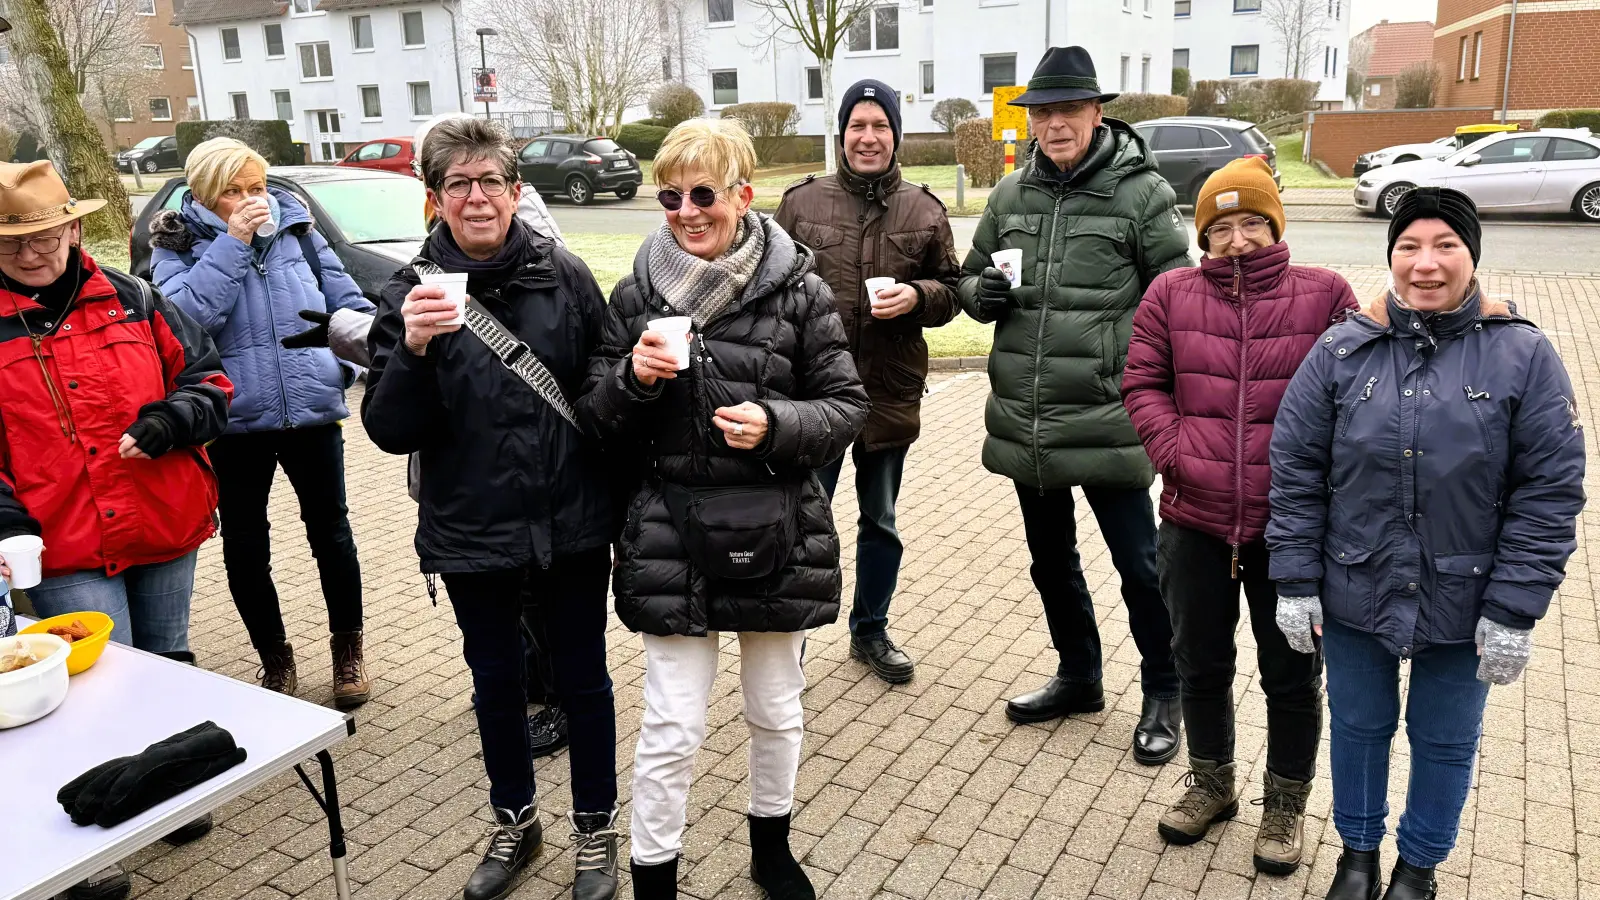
<point>1096,223</point>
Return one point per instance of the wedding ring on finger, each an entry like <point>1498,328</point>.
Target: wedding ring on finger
<point>738,428</point>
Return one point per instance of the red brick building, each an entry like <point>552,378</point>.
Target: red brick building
<point>1391,47</point>
<point>1555,56</point>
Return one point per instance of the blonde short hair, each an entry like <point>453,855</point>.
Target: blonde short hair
<point>215,163</point>
<point>714,146</point>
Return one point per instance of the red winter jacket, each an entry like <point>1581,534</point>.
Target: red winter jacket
<point>122,353</point>
<point>1206,429</point>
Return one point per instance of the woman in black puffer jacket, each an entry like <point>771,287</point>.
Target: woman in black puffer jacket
<point>727,448</point>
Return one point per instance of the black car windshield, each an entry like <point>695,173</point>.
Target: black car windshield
<point>601,145</point>
<point>148,142</point>
<point>373,210</point>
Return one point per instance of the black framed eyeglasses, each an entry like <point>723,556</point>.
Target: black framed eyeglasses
<point>703,196</point>
<point>41,244</point>
<point>492,185</point>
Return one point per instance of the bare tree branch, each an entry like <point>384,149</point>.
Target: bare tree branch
<point>1296,27</point>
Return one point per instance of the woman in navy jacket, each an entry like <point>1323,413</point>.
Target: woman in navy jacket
<point>1427,475</point>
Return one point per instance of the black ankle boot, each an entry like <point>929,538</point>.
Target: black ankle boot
<point>772,864</point>
<point>513,840</point>
<point>1409,882</point>
<point>1357,876</point>
<point>594,842</point>
<point>1155,739</point>
<point>1056,699</point>
<point>657,882</point>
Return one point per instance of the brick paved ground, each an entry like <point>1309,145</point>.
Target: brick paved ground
<point>922,791</point>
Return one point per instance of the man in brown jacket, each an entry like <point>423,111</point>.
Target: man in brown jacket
<point>866,223</point>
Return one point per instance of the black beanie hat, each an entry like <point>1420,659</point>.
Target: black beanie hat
<point>877,92</point>
<point>1445,204</point>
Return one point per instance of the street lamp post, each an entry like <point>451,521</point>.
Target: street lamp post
<point>483,60</point>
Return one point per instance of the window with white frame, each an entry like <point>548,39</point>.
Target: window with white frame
<point>1461,68</point>
<point>145,7</point>
<point>283,106</point>
<point>927,5</point>
<point>1148,8</point>
<point>241,105</point>
<point>813,82</point>
<point>192,110</point>
<point>1180,9</point>
<point>1144,75</point>
<point>316,61</point>
<point>1246,6</point>
<point>120,108</point>
<point>154,58</point>
<point>927,78</point>
<point>230,45</point>
<point>1245,60</point>
<point>371,103</point>
<point>1377,89</point>
<point>1180,58</point>
<point>305,7</point>
<point>1334,70</point>
<point>361,33</point>
<point>1127,6</point>
<point>724,87</point>
<point>272,35</point>
<point>1122,74</point>
<point>160,109</point>
<point>719,12</point>
<point>411,28</point>
<point>421,99</point>
<point>999,70</point>
<point>875,30</point>
<point>1477,54</point>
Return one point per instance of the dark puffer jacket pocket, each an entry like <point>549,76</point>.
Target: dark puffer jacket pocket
<point>1349,584</point>
<point>1457,597</point>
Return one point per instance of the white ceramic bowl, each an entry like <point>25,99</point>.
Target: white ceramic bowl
<point>35,692</point>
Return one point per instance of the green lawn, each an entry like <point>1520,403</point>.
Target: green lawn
<point>1297,174</point>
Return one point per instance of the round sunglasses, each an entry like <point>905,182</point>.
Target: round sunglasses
<point>703,196</point>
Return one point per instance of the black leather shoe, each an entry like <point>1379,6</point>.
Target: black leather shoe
<point>1056,699</point>
<point>513,840</point>
<point>1409,882</point>
<point>1357,876</point>
<point>1155,740</point>
<point>885,659</point>
<point>594,841</point>
<point>110,883</point>
<point>191,832</point>
<point>547,731</point>
<point>657,882</point>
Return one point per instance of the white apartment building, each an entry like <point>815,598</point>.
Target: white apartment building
<point>931,50</point>
<point>1221,39</point>
<point>340,72</point>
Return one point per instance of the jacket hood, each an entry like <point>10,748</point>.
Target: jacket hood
<point>1262,270</point>
<point>784,263</point>
<point>1121,153</point>
<point>179,229</point>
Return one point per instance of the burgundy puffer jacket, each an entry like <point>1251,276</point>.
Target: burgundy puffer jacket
<point>1205,426</point>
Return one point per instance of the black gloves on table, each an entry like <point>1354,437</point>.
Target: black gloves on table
<point>316,337</point>
<point>116,791</point>
<point>994,294</point>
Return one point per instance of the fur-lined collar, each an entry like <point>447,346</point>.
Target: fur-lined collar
<point>1377,309</point>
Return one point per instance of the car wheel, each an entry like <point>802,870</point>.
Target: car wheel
<point>1402,159</point>
<point>578,191</point>
<point>1587,203</point>
<point>151,167</point>
<point>1196,186</point>
<point>628,193</point>
<point>1390,198</point>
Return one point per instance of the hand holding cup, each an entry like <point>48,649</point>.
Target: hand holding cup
<point>426,310</point>
<point>894,301</point>
<point>654,357</point>
<point>248,217</point>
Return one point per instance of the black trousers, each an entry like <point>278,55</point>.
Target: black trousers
<point>313,458</point>
<point>1128,524</point>
<point>488,608</point>
<point>1197,580</point>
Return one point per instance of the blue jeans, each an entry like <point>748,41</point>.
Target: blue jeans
<point>878,547</point>
<point>1444,718</point>
<point>148,605</point>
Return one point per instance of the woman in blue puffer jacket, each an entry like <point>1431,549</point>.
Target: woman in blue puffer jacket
<point>1427,475</point>
<point>247,289</point>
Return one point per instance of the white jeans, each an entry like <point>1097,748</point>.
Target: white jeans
<point>677,687</point>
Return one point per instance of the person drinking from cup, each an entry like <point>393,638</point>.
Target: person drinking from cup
<point>1091,224</point>
<point>513,499</point>
<point>729,528</point>
<point>244,260</point>
<point>885,249</point>
<point>1427,476</point>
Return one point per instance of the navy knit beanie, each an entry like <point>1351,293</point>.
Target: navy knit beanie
<point>877,92</point>
<point>1445,204</point>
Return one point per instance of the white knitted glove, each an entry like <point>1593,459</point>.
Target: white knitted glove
<point>1296,616</point>
<point>1504,650</point>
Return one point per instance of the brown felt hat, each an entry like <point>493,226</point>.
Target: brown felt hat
<point>1244,185</point>
<point>34,198</point>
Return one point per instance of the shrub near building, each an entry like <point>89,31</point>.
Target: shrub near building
<point>641,139</point>
<point>270,138</point>
<point>1135,108</point>
<point>976,148</point>
<point>1571,118</point>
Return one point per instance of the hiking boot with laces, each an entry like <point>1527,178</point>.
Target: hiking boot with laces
<point>350,685</point>
<point>1283,812</point>
<point>277,669</point>
<point>594,840</point>
<point>1209,799</point>
<point>514,838</point>
<point>885,660</point>
<point>547,731</point>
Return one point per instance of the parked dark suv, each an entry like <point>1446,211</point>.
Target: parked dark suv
<point>1188,149</point>
<point>151,155</point>
<point>579,167</point>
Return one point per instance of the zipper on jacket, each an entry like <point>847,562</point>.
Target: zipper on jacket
<point>272,329</point>
<point>1238,423</point>
<point>1038,338</point>
<point>1472,398</point>
<point>1366,394</point>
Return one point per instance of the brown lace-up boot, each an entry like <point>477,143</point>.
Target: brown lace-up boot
<point>277,669</point>
<point>1210,799</point>
<point>1283,812</point>
<point>350,685</point>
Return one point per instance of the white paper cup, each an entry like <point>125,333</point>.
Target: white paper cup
<point>1009,262</point>
<point>22,554</point>
<point>269,227</point>
<point>455,290</point>
<point>874,285</point>
<point>676,330</point>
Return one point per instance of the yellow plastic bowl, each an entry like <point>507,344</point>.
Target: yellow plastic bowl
<point>84,652</point>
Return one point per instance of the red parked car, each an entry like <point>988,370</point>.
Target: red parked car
<point>389,154</point>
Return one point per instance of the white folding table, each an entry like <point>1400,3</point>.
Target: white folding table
<point>124,703</point>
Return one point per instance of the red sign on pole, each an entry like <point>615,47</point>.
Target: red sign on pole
<point>485,87</point>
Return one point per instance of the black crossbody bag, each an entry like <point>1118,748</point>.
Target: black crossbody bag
<point>738,533</point>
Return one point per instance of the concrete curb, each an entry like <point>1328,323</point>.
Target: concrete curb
<point>958,364</point>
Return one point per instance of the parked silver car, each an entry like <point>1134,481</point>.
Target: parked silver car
<point>1551,170</point>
